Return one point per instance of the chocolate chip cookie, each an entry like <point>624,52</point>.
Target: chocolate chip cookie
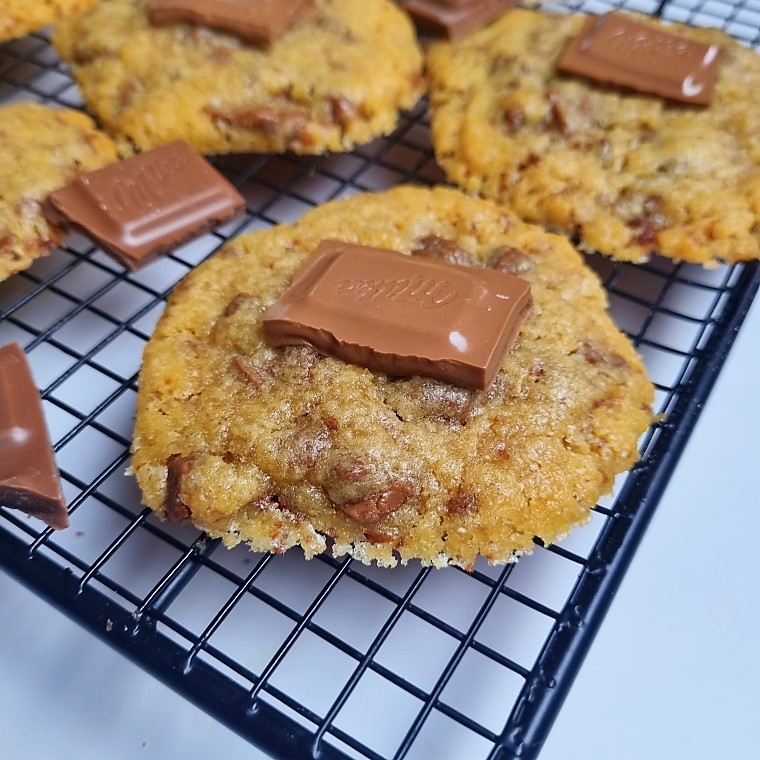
<point>624,173</point>
<point>333,80</point>
<point>284,447</point>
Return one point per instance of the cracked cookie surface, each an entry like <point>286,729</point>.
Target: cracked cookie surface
<point>284,447</point>
<point>626,173</point>
<point>33,163</point>
<point>331,82</point>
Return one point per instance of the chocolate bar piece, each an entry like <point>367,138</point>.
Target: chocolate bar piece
<point>257,21</point>
<point>401,315</point>
<point>29,478</point>
<point>615,49</point>
<point>455,19</point>
<point>148,204</point>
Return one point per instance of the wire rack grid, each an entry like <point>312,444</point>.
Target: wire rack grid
<point>251,637</point>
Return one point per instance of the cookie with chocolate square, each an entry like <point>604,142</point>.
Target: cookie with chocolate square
<point>626,134</point>
<point>43,148</point>
<point>264,417</point>
<point>304,76</point>
<point>19,17</point>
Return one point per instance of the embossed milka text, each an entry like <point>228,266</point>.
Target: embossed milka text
<point>428,293</point>
<point>132,195</point>
<point>635,43</point>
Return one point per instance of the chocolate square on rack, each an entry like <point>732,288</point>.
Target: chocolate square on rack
<point>148,204</point>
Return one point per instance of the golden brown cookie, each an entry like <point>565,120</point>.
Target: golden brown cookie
<point>626,173</point>
<point>42,149</point>
<point>19,17</point>
<point>330,82</point>
<point>284,447</point>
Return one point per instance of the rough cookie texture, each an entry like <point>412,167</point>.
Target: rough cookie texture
<point>19,17</point>
<point>282,447</point>
<point>333,81</point>
<point>627,173</point>
<point>34,162</point>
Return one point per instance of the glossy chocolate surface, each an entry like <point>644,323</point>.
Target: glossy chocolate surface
<point>401,315</point>
<point>257,21</point>
<point>29,479</point>
<point>455,19</point>
<point>148,204</point>
<point>615,49</point>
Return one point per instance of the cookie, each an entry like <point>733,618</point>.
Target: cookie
<point>19,17</point>
<point>33,163</point>
<point>622,172</point>
<point>284,447</point>
<point>330,82</point>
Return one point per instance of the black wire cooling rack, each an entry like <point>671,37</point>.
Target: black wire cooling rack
<point>502,645</point>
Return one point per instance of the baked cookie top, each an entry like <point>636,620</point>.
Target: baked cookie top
<point>19,17</point>
<point>330,82</point>
<point>34,161</point>
<point>280,447</point>
<point>626,173</point>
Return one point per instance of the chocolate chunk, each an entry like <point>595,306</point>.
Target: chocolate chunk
<point>514,116</point>
<point>177,466</point>
<point>146,205</point>
<point>29,478</point>
<point>510,260</point>
<point>596,354</point>
<point>257,21</point>
<point>301,449</point>
<point>455,19</point>
<point>240,300</point>
<point>645,232</point>
<point>253,376</point>
<point>615,49</point>
<point>377,536</point>
<point>559,117</point>
<point>441,249</point>
<point>343,111</point>
<point>379,505</point>
<point>462,502</point>
<point>401,315</point>
<point>422,397</point>
<point>351,470</point>
<point>349,477</point>
<point>264,119</point>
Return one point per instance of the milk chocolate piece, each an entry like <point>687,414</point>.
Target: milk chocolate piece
<point>146,205</point>
<point>257,21</point>
<point>455,19</point>
<point>29,479</point>
<point>401,315</point>
<point>615,49</point>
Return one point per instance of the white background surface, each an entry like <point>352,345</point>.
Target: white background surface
<point>674,671</point>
